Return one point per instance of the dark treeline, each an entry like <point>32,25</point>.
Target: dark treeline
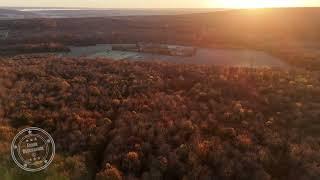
<point>32,48</point>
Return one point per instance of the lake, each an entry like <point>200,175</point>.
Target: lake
<point>223,57</point>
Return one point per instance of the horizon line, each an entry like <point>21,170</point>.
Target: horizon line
<point>199,8</point>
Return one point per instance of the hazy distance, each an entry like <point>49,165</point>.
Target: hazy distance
<point>161,4</point>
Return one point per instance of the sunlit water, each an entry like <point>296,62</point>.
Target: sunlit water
<point>223,57</point>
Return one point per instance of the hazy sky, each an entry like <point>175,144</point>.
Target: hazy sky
<point>160,3</point>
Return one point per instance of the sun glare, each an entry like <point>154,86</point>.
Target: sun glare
<point>253,3</point>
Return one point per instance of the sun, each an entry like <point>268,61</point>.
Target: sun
<point>238,4</point>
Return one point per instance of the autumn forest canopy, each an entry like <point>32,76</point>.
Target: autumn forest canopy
<point>144,120</point>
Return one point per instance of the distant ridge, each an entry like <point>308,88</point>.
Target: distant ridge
<point>43,12</point>
<point>15,14</point>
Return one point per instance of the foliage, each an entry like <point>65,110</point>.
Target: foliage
<point>139,120</point>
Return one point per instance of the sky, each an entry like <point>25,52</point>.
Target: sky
<point>161,3</point>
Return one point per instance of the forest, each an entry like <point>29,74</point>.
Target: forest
<point>114,120</point>
<point>291,34</point>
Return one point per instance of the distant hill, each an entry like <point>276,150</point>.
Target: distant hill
<point>80,13</point>
<point>14,14</point>
<point>289,33</point>
<point>289,18</point>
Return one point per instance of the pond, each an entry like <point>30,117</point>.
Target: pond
<point>204,56</point>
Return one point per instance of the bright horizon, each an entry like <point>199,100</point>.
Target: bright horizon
<point>161,4</point>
